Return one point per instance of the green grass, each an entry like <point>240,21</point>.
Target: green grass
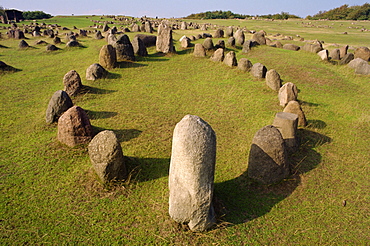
<point>50,194</point>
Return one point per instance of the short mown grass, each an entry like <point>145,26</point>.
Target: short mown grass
<point>51,195</point>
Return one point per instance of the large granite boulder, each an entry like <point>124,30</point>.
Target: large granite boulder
<point>363,53</point>
<point>107,157</point>
<point>268,160</point>
<point>218,56</point>
<point>72,83</point>
<point>230,59</point>
<point>124,49</point>
<point>244,64</point>
<point>273,80</point>
<point>294,108</point>
<point>108,57</point>
<point>199,50</point>
<point>164,42</point>
<point>95,71</point>
<point>191,175</point>
<point>258,70</point>
<point>74,127</point>
<point>288,92</point>
<point>239,37</point>
<point>58,104</point>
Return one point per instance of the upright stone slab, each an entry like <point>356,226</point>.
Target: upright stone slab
<point>247,46</point>
<point>164,41</point>
<point>107,157</point>
<point>95,71</point>
<point>139,47</point>
<point>258,70</point>
<point>324,55</point>
<point>58,104</point>
<point>363,53</point>
<point>229,31</point>
<point>343,51</point>
<point>218,56</point>
<point>288,92</point>
<point>23,44</point>
<point>346,59</point>
<point>294,108</point>
<point>268,162</point>
<point>208,44</point>
<point>231,41</point>
<point>273,80</point>
<point>74,127</point>
<point>335,54</point>
<point>199,50</point>
<point>72,83</point>
<point>191,176</point>
<point>244,64</point>
<point>239,37</point>
<point>259,37</point>
<point>219,33</point>
<point>287,124</point>
<point>108,57</point>
<point>124,49</point>
<point>230,59</point>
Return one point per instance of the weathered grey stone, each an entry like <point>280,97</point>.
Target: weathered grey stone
<point>259,37</point>
<point>98,35</point>
<point>294,108</point>
<point>199,50</point>
<point>149,40</point>
<point>73,43</point>
<point>361,66</point>
<point>291,47</point>
<point>277,44</point>
<point>231,42</point>
<point>244,64</point>
<point>247,46</point>
<point>220,44</point>
<point>288,92</point>
<point>268,161</point>
<point>343,51</point>
<point>164,42</point>
<point>124,49</point>
<point>229,31</point>
<point>57,40</point>
<point>258,70</point>
<point>191,175</point>
<point>51,47</point>
<point>72,83</point>
<point>58,104</point>
<point>324,55</point>
<point>139,47</point>
<point>239,37</point>
<point>363,53</point>
<point>185,42</point>
<point>314,48</point>
<point>105,27</point>
<point>346,59</point>
<point>148,27</point>
<point>23,44</point>
<point>95,71</point>
<point>184,26</point>
<point>208,44</point>
<point>219,33</point>
<point>135,28</point>
<point>356,63</point>
<point>108,57</point>
<point>107,158</point>
<point>334,54</point>
<point>111,39</point>
<point>230,59</point>
<point>218,56</point>
<point>273,80</point>
<point>287,124</point>
<point>74,127</point>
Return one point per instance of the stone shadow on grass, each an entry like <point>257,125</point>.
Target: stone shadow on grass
<point>241,199</point>
<point>123,135</point>
<point>124,64</point>
<point>146,169</point>
<point>94,90</point>
<point>93,115</point>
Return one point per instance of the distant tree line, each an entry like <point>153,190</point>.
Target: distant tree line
<point>33,15</point>
<point>344,12</point>
<point>218,14</point>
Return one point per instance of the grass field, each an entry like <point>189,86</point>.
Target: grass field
<point>50,194</point>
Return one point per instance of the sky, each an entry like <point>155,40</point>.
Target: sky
<point>175,8</point>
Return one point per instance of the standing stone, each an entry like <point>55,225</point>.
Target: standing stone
<point>229,32</point>
<point>98,35</point>
<point>148,27</point>
<point>343,51</point>
<point>259,37</point>
<point>268,162</point>
<point>231,42</point>
<point>199,50</point>
<point>220,44</point>
<point>287,124</point>
<point>314,48</point>
<point>291,47</point>
<point>124,49</point>
<point>273,80</point>
<point>73,43</point>
<point>294,108</point>
<point>258,70</point>
<point>208,44</point>
<point>335,54</point>
<point>247,46</point>
<point>57,40</point>
<point>239,37</point>
<point>288,92</point>
<point>219,33</point>
<point>139,47</point>
<point>106,157</point>
<point>218,56</point>
<point>74,127</point>
<point>108,57</point>
<point>105,27</point>
<point>51,47</point>
<point>95,71</point>
<point>363,53</point>
<point>72,83</point>
<point>135,28</point>
<point>324,55</point>
<point>361,66</point>
<point>58,104</point>
<point>191,175</point>
<point>346,59</point>
<point>185,42</point>
<point>245,65</point>
<point>23,44</point>
<point>164,42</point>
<point>184,26</point>
<point>230,59</point>
<point>111,39</point>
<point>149,40</point>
